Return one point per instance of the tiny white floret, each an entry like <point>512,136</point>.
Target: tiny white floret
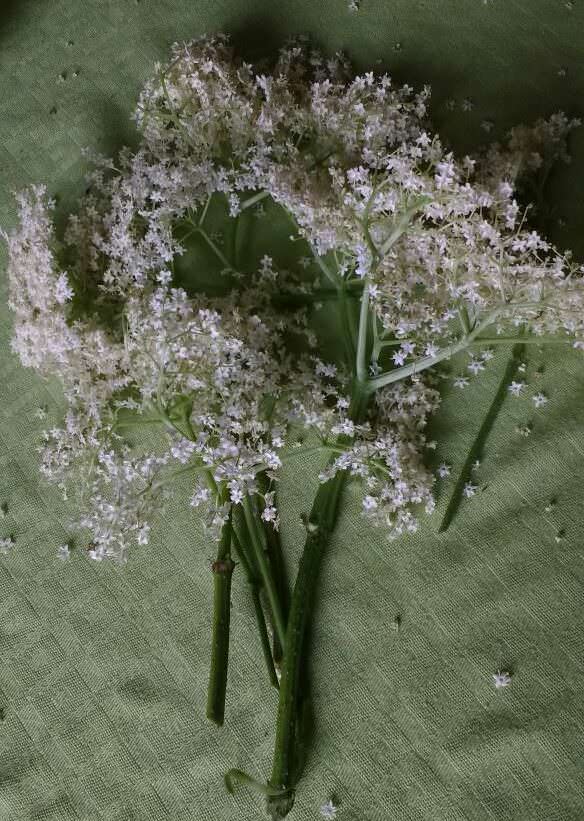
<point>515,388</point>
<point>328,810</point>
<point>539,400</point>
<point>501,679</point>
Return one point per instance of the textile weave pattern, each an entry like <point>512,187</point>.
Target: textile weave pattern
<point>103,670</point>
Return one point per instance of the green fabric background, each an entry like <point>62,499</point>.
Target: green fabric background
<point>103,669</point>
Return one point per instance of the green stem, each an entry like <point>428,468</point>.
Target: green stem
<point>345,311</point>
<point>475,451</point>
<point>255,585</point>
<point>253,200</point>
<point>529,340</point>
<point>360,364</point>
<point>278,566</point>
<point>217,251</point>
<point>222,573</point>
<point>289,745</point>
<point>264,569</point>
<point>428,361</point>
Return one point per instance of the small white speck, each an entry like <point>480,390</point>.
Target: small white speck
<point>487,125</point>
<point>487,354</point>
<point>562,72</point>
<point>443,470</point>
<point>450,104</point>
<point>522,367</point>
<point>467,104</point>
<point>476,465</point>
<point>501,679</point>
<point>41,412</point>
<point>539,400</point>
<point>469,489</point>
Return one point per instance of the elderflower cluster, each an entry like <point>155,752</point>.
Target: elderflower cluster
<point>205,370</point>
<point>386,454</point>
<point>436,247</point>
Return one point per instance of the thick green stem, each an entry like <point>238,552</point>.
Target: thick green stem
<point>360,364</point>
<point>289,745</point>
<point>222,573</point>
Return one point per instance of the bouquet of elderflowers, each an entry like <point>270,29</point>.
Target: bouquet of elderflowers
<point>420,256</point>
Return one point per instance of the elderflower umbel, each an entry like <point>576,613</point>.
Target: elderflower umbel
<point>440,242</point>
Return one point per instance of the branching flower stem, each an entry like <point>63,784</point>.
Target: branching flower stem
<point>289,740</point>
<point>425,362</point>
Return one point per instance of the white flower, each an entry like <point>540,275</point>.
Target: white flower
<point>143,534</point>
<point>200,497</point>
<point>63,552</point>
<point>469,489</point>
<point>328,810</point>
<point>63,291</point>
<point>460,382</point>
<point>501,679</point>
<point>6,544</point>
<point>443,470</point>
<point>539,399</point>
<point>515,388</point>
<point>369,503</point>
<point>475,366</point>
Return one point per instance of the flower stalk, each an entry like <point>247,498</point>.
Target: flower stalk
<point>255,587</point>
<point>222,572</point>
<point>288,749</point>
